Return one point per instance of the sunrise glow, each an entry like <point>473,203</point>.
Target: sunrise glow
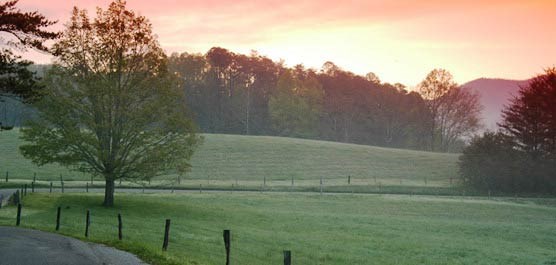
<point>400,41</point>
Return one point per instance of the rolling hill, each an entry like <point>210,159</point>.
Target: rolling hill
<point>233,158</point>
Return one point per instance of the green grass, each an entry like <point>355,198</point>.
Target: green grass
<point>329,229</point>
<point>246,161</point>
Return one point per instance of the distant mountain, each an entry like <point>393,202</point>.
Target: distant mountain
<point>495,94</point>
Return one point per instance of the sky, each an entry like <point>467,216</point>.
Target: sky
<point>400,41</point>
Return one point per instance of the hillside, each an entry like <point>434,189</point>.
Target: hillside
<point>253,158</point>
<point>495,94</point>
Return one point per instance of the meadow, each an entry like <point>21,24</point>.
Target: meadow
<point>318,229</point>
<point>249,162</point>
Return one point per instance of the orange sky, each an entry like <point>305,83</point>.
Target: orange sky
<point>401,41</point>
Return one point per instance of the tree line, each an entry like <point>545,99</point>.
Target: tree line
<point>253,95</point>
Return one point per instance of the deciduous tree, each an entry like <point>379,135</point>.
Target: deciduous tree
<point>110,107</point>
<point>453,111</point>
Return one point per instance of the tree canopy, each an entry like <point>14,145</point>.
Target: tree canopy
<point>296,104</point>
<point>110,106</point>
<point>21,30</point>
<point>453,111</point>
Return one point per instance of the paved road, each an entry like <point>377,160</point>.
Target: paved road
<point>20,246</point>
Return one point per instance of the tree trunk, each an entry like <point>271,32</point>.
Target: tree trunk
<point>109,193</point>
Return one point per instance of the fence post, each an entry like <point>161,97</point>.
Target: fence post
<point>425,181</point>
<point>166,234</point>
<point>87,223</point>
<point>58,213</point>
<point>287,257</point>
<point>349,179</point>
<point>18,214</point>
<point>33,187</point>
<point>62,187</point>
<point>34,176</point>
<point>264,181</point>
<point>16,197</point>
<point>91,180</point>
<point>227,245</point>
<point>6,176</point>
<point>51,187</point>
<point>320,185</point>
<point>119,226</point>
<point>87,187</point>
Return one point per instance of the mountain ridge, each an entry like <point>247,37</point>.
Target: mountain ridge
<point>495,94</point>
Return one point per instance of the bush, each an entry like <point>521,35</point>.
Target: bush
<point>494,162</point>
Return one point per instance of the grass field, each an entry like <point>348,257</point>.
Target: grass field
<point>247,161</point>
<point>328,229</point>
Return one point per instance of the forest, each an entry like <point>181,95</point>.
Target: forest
<point>253,95</point>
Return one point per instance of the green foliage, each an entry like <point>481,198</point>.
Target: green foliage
<point>240,94</point>
<point>531,118</point>
<point>27,30</point>
<point>110,107</point>
<point>296,105</point>
<point>491,162</point>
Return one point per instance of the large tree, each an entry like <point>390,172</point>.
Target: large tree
<point>458,118</point>
<point>531,121</point>
<point>110,107</point>
<point>531,117</point>
<point>453,111</point>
